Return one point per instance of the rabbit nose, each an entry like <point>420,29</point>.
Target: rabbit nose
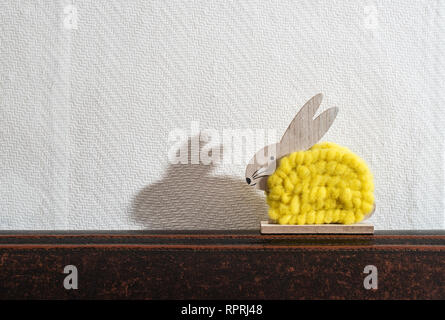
<point>248,180</point>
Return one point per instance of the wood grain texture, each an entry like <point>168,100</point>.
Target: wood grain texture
<point>358,228</point>
<point>302,133</point>
<point>222,265</point>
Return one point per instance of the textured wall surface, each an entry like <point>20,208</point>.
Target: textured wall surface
<point>89,93</point>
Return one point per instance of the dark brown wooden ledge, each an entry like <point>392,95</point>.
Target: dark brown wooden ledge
<point>221,265</point>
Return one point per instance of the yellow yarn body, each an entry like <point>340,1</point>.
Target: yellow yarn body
<point>325,184</point>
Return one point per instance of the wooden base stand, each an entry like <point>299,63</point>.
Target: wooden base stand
<point>358,228</point>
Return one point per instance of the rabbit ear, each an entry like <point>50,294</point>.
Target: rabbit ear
<point>304,131</point>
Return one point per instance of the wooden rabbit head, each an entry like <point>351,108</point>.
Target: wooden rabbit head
<point>303,132</point>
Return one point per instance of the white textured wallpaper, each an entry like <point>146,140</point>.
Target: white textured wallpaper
<point>91,90</point>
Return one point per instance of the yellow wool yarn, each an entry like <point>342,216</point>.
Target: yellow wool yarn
<point>325,184</point>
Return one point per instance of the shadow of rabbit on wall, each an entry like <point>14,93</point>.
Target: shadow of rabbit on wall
<point>190,197</point>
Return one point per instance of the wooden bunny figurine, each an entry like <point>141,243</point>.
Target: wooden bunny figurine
<point>309,183</point>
